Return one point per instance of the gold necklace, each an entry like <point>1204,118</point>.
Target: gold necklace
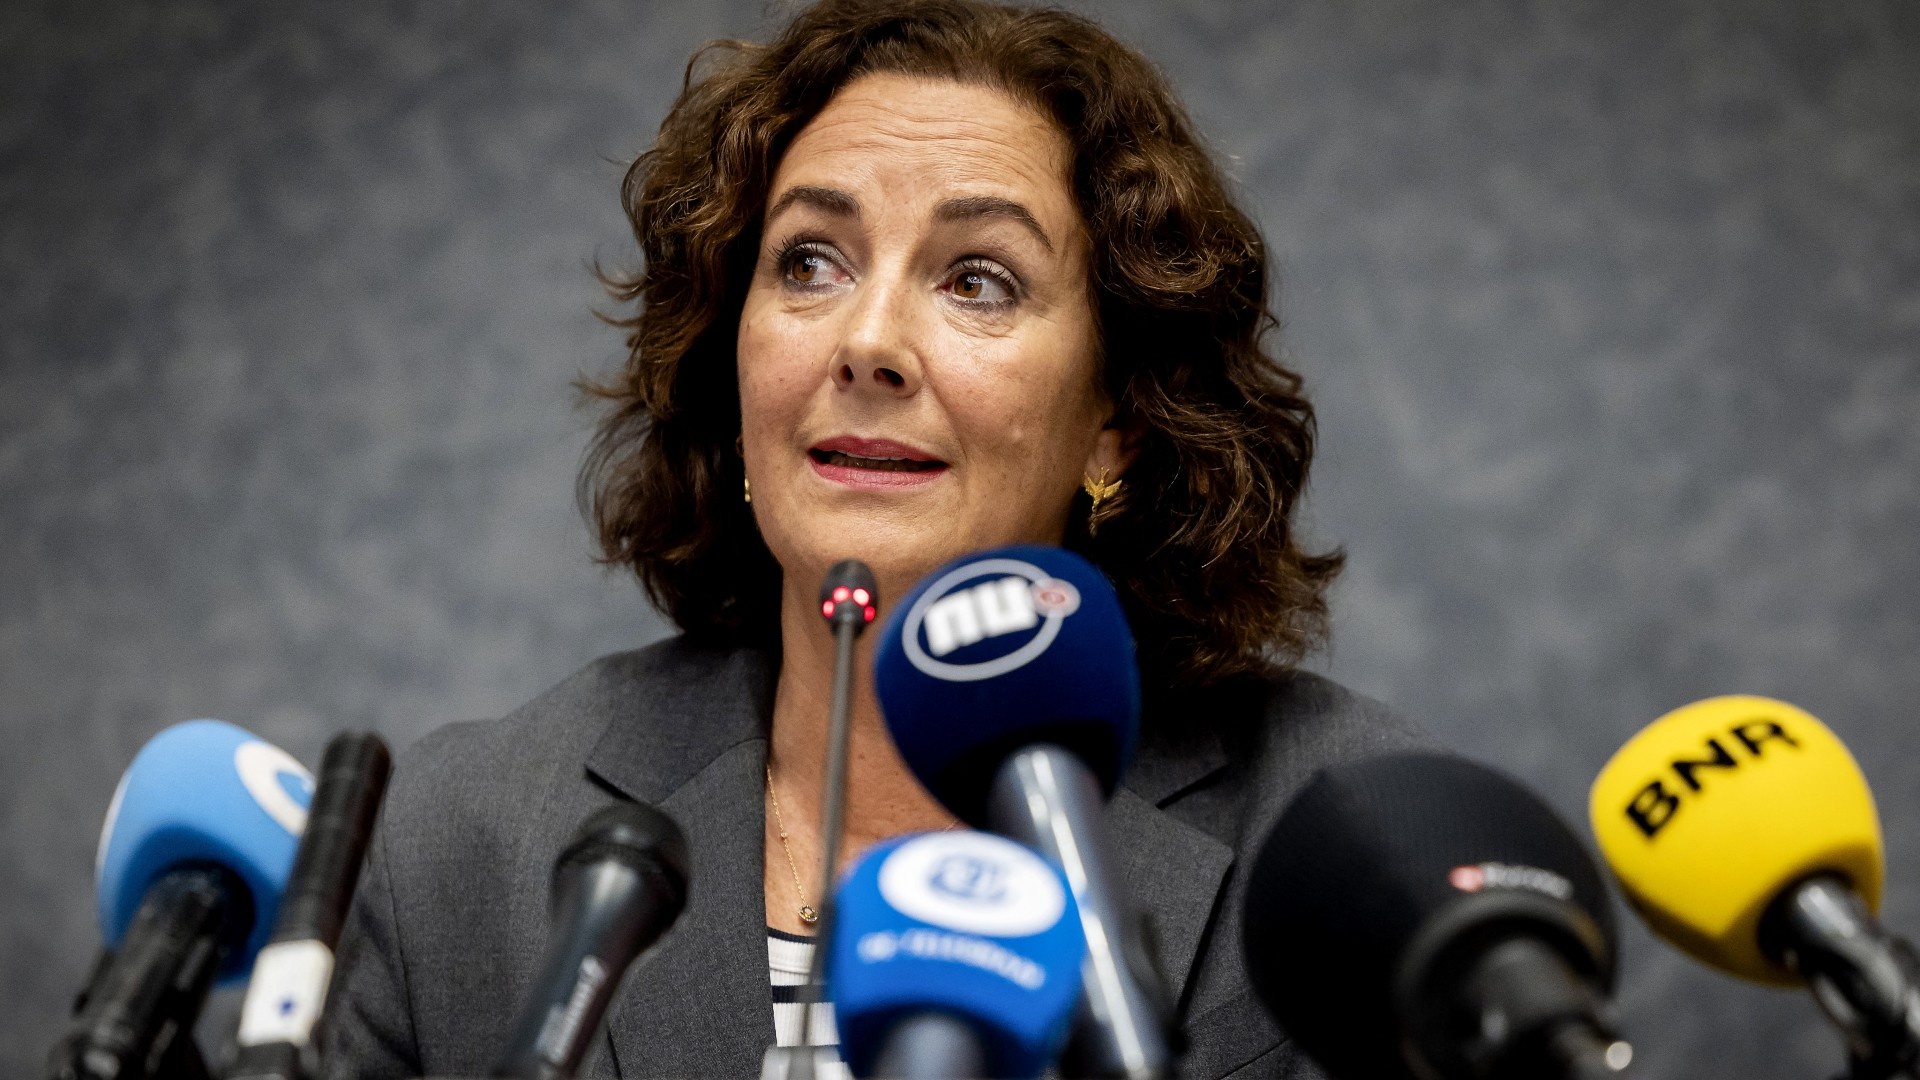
<point>807,914</point>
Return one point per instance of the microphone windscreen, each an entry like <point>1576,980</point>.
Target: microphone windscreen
<point>1715,808</point>
<point>1377,867</point>
<point>203,792</point>
<point>964,923</point>
<point>1001,650</point>
<point>634,834</point>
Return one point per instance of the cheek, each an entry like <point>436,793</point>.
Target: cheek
<point>1035,401</point>
<point>775,355</point>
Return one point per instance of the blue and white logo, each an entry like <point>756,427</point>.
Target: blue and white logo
<point>973,883</point>
<point>1017,605</point>
<point>277,781</point>
<point>968,877</point>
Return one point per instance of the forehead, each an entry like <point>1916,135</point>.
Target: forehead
<point>913,138</point>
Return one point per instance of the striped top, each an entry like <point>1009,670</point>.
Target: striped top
<point>788,957</point>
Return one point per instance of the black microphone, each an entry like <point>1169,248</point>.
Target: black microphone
<point>1010,688</point>
<point>1420,916</point>
<point>135,1018</point>
<point>618,885</point>
<point>286,996</point>
<point>849,599</point>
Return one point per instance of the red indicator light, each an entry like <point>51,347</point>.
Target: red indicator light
<point>860,597</point>
<point>826,608</point>
<point>840,593</point>
<point>869,614</point>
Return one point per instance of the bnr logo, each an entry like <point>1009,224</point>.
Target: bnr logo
<point>1656,804</point>
<point>967,877</point>
<point>961,609</point>
<point>993,608</point>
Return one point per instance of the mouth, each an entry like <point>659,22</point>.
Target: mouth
<point>881,455</point>
<point>873,462</point>
<point>882,464</point>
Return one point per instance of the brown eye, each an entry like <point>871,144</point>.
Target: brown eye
<point>804,268</point>
<point>980,285</point>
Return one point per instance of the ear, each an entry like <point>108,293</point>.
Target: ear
<point>1116,446</point>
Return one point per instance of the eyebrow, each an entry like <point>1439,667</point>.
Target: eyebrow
<point>840,204</point>
<point>988,206</point>
<point>825,199</point>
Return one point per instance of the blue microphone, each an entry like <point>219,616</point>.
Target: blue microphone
<point>1001,650</point>
<point>958,955</point>
<point>196,849</point>
<point>1009,685</point>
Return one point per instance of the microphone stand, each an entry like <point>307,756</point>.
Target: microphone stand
<point>849,598</point>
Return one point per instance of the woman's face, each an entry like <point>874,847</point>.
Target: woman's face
<point>917,350</point>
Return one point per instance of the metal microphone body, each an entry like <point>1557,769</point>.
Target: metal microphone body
<point>931,1046</point>
<point>1048,799</point>
<point>1865,979</point>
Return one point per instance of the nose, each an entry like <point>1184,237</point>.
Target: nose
<point>878,351</point>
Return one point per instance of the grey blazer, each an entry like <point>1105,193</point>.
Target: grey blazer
<point>450,919</point>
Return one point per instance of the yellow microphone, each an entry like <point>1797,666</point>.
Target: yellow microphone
<point>1744,833</point>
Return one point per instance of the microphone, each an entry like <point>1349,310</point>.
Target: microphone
<point>288,990</point>
<point>849,597</point>
<point>617,886</point>
<point>959,957</point>
<point>1418,915</point>
<point>1008,683</point>
<point>195,851</point>
<point>849,600</point>
<point>1742,830</point>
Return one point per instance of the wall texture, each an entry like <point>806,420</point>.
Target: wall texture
<point>1611,310</point>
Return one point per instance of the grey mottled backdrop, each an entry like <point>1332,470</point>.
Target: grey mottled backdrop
<point>1611,310</point>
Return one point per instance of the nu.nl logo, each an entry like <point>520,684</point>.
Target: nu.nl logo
<point>1016,597</point>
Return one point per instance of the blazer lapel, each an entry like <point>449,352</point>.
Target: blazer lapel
<point>699,1003</point>
<point>1173,871</point>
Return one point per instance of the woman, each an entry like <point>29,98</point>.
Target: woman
<point>920,278</point>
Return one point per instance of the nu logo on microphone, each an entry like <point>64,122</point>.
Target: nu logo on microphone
<point>1016,601</point>
<point>1654,806</point>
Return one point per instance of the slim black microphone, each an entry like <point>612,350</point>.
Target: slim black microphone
<point>849,599</point>
<point>1419,916</point>
<point>618,885</point>
<point>287,994</point>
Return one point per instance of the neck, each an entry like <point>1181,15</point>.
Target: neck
<point>882,798</point>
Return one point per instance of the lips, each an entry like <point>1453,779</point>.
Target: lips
<point>879,455</point>
<point>874,464</point>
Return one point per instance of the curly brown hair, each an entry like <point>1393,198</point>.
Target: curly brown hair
<point>1201,543</point>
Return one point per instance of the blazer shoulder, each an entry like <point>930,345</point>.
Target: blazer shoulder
<point>471,771</point>
<point>1276,730</point>
<point>564,720</point>
<point>1333,720</point>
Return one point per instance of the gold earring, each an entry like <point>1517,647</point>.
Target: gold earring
<point>746,490</point>
<point>1099,491</point>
